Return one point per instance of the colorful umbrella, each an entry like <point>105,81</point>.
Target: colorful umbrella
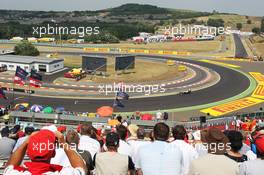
<point>60,110</point>
<point>48,110</point>
<point>113,122</point>
<point>36,108</point>
<point>146,117</point>
<point>105,111</point>
<point>21,106</point>
<point>91,115</point>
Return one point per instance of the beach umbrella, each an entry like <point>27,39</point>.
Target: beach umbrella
<point>146,117</point>
<point>113,122</point>
<point>105,111</point>
<point>59,110</point>
<point>48,110</point>
<point>91,115</point>
<point>21,106</point>
<point>36,108</point>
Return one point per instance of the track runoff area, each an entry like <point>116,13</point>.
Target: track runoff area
<point>234,90</point>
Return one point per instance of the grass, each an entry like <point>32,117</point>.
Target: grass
<point>259,49</point>
<point>231,20</point>
<point>192,46</point>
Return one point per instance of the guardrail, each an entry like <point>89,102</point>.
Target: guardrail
<point>97,48</point>
<point>72,120</point>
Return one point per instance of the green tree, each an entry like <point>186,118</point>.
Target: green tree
<point>249,21</point>
<point>262,25</point>
<point>216,22</point>
<point>239,26</point>
<point>26,49</point>
<point>256,30</point>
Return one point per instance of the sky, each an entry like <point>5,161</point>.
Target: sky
<point>245,7</point>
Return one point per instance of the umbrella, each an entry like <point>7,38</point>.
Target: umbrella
<point>48,110</point>
<point>21,106</point>
<point>59,110</point>
<point>113,122</point>
<point>36,108</point>
<point>146,117</point>
<point>105,111</point>
<point>91,115</point>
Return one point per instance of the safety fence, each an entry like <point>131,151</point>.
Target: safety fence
<point>74,120</point>
<point>135,51</point>
<point>97,48</point>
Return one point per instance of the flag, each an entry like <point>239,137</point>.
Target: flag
<point>20,76</point>
<point>122,95</point>
<point>35,79</point>
<point>2,94</point>
<point>118,103</point>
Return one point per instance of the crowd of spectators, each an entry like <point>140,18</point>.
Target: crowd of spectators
<point>123,149</point>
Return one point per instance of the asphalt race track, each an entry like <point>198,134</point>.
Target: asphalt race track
<point>240,49</point>
<point>232,83</point>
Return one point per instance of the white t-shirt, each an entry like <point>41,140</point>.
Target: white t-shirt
<point>89,144</point>
<point>135,146</point>
<point>159,158</point>
<point>252,167</point>
<point>60,158</point>
<point>65,171</point>
<point>124,148</point>
<point>188,152</point>
<point>158,115</point>
<point>19,142</point>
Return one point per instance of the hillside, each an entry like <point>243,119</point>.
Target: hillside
<point>121,22</point>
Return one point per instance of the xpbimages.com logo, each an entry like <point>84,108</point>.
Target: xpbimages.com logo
<point>131,88</point>
<point>62,30</point>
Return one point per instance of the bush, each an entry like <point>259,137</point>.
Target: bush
<point>239,26</point>
<point>256,30</point>
<point>26,49</point>
<point>216,22</point>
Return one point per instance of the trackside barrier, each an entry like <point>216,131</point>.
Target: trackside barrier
<point>90,48</point>
<point>133,50</point>
<point>74,120</point>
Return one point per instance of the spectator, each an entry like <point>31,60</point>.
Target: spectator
<point>215,162</point>
<point>40,148</point>
<point>28,131</point>
<point>132,128</point>
<point>159,115</point>
<point>15,132</point>
<point>6,144</point>
<point>165,116</point>
<point>236,143</point>
<point>255,167</point>
<point>136,144</point>
<point>86,142</point>
<point>111,162</point>
<point>73,139</point>
<point>123,148</point>
<point>188,152</point>
<point>159,157</point>
<point>198,144</point>
<point>246,149</point>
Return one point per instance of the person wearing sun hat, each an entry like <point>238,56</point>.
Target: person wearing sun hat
<point>215,162</point>
<point>132,133</point>
<point>255,167</point>
<point>40,148</point>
